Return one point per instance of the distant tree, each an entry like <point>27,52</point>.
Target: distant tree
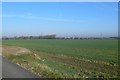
<point>31,37</point>
<point>76,38</point>
<point>50,37</point>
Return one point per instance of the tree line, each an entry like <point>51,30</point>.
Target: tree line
<point>31,37</point>
<point>51,37</point>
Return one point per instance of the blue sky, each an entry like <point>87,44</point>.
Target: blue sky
<point>63,19</point>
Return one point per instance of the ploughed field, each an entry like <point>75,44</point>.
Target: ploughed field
<point>62,58</point>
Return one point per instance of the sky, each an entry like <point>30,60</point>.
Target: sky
<point>83,19</point>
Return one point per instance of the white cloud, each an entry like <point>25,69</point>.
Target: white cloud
<point>30,16</point>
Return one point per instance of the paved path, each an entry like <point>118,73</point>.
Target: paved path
<point>11,70</point>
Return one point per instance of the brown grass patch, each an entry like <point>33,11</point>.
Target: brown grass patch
<point>14,50</point>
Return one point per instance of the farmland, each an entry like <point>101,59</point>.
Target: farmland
<point>67,58</point>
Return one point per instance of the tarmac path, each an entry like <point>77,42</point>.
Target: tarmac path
<point>11,70</point>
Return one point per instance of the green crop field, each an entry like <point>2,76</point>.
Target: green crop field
<point>67,58</point>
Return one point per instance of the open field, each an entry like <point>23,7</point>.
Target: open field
<point>66,58</point>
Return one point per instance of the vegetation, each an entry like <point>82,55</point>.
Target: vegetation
<point>31,37</point>
<point>53,36</point>
<point>73,58</point>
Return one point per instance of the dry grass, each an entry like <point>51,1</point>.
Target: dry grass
<point>14,50</point>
